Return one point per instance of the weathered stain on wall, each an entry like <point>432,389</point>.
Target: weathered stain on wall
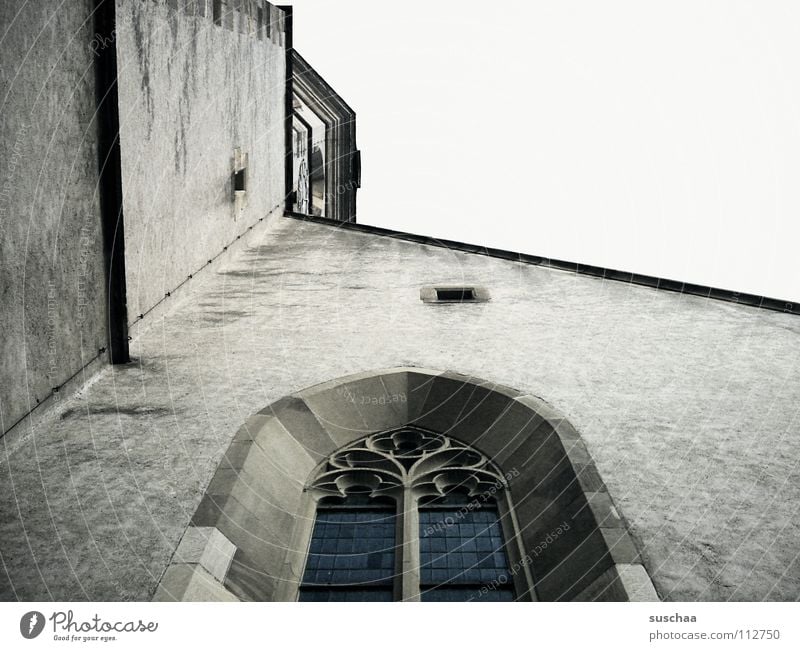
<point>191,92</point>
<point>52,314</point>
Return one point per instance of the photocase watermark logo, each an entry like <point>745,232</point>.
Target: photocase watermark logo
<point>31,624</point>
<point>67,628</point>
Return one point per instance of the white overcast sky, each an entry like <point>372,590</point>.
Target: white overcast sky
<point>655,137</point>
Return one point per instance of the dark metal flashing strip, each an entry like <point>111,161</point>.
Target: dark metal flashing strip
<point>110,181</point>
<point>739,298</point>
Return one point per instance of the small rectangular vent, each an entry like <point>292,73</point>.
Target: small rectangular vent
<point>459,294</point>
<point>453,294</point>
<point>239,181</point>
<point>239,176</point>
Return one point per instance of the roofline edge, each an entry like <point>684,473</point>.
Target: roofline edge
<point>653,282</point>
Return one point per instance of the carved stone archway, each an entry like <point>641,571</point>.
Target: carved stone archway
<point>248,538</point>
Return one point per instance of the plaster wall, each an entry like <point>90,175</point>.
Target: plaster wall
<point>52,313</point>
<point>191,91</point>
<point>687,406</point>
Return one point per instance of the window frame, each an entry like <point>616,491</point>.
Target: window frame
<point>407,580</point>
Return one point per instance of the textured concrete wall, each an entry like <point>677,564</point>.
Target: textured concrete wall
<point>687,406</point>
<point>51,267</point>
<point>190,93</point>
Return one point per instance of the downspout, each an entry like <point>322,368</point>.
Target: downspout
<point>110,181</point>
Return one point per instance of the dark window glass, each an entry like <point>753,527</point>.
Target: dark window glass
<point>352,556</point>
<point>346,594</point>
<point>483,593</point>
<point>462,555</point>
<point>460,294</point>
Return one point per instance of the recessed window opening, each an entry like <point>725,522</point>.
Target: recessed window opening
<point>216,12</point>
<point>239,176</point>
<point>459,294</point>
<point>409,515</point>
<point>240,181</point>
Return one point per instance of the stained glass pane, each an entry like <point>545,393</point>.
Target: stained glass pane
<point>353,549</point>
<point>462,556</point>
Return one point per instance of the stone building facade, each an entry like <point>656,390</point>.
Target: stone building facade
<point>148,117</point>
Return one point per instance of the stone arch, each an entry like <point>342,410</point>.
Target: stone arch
<point>410,471</point>
<point>247,539</point>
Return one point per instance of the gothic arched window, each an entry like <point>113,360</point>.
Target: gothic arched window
<point>411,515</point>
